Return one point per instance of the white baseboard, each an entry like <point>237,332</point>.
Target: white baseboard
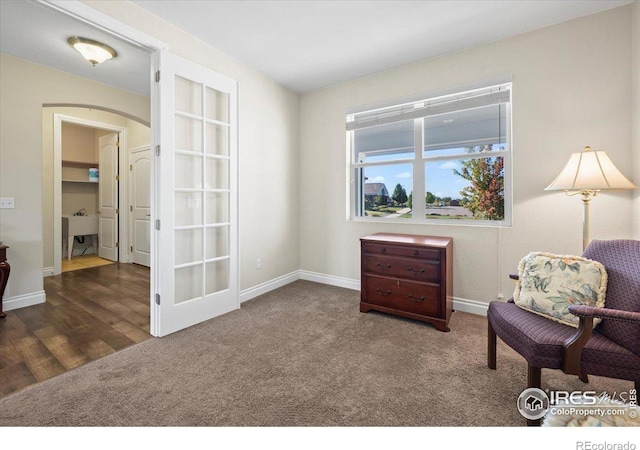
<point>470,306</point>
<point>21,301</point>
<point>333,280</point>
<point>263,288</point>
<point>48,272</point>
<point>459,304</point>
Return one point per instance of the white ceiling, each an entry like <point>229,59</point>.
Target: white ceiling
<point>304,45</point>
<point>37,33</point>
<point>307,45</point>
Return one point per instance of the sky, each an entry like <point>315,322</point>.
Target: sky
<point>439,178</point>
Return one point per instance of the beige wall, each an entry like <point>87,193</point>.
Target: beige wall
<point>635,116</point>
<point>268,148</point>
<point>137,134</point>
<point>78,143</point>
<point>571,88</point>
<point>78,196</point>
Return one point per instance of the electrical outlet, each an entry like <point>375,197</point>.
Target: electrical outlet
<point>258,264</point>
<point>500,296</point>
<point>7,203</point>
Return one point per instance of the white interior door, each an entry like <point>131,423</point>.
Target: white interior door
<point>108,197</point>
<point>140,205</point>
<point>196,179</point>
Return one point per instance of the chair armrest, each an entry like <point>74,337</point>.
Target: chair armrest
<point>572,352</point>
<point>514,276</point>
<point>605,313</point>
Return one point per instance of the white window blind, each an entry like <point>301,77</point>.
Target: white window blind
<point>477,98</point>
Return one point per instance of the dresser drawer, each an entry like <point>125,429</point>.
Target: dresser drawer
<point>403,295</point>
<point>411,269</point>
<point>396,250</point>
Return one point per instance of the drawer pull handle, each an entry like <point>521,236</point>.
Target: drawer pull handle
<point>383,249</point>
<point>415,272</point>
<point>383,293</point>
<point>380,266</point>
<point>412,298</point>
<point>415,253</point>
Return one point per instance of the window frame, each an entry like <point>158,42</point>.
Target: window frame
<point>355,169</point>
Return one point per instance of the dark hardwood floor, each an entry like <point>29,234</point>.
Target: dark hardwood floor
<point>88,314</point>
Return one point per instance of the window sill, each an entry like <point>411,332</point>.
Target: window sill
<point>436,222</point>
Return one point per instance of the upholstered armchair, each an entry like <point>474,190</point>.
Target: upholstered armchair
<point>611,349</point>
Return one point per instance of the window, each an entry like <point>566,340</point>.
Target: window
<point>443,159</point>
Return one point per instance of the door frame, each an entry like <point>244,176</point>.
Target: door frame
<point>130,223</point>
<point>109,24</point>
<point>123,237</point>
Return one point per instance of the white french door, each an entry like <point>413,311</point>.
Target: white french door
<point>196,185</point>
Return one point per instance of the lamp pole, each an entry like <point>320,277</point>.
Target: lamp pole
<point>586,195</point>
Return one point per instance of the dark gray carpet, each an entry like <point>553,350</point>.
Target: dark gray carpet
<point>300,355</point>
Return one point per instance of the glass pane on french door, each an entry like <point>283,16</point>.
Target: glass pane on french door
<point>201,191</point>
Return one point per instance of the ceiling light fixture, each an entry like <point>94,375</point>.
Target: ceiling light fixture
<point>93,51</point>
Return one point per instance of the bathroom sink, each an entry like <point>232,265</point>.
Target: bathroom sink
<point>79,225</point>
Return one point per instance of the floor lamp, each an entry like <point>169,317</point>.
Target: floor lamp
<point>587,173</point>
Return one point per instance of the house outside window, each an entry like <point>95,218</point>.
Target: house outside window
<point>444,159</point>
<point>376,193</point>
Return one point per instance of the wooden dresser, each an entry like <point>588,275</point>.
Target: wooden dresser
<point>409,276</point>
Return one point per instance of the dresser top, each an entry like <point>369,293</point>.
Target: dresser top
<point>410,239</point>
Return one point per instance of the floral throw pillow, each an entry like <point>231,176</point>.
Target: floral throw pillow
<point>549,283</point>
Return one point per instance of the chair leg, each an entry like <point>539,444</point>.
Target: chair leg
<point>491,347</point>
<point>534,380</point>
<point>584,377</point>
<point>534,377</point>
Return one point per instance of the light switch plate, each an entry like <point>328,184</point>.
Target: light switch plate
<point>7,203</point>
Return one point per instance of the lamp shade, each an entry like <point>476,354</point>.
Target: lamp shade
<point>590,170</point>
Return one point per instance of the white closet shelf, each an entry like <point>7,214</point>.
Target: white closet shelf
<point>81,164</point>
